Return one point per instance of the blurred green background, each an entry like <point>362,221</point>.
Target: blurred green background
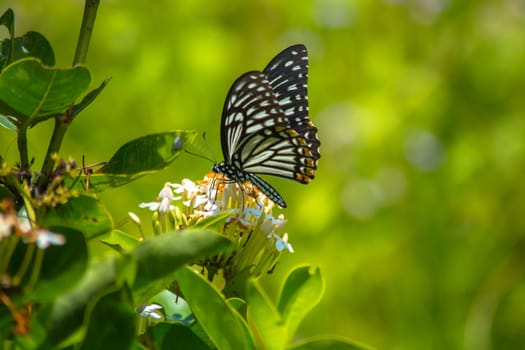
<point>417,213</point>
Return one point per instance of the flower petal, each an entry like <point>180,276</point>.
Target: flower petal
<point>282,243</point>
<point>151,205</point>
<point>46,238</point>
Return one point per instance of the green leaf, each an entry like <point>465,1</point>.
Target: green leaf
<point>237,303</point>
<point>175,336</point>
<point>221,322</point>
<point>142,156</point>
<point>29,89</point>
<point>120,241</point>
<point>88,99</point>
<point>7,45</point>
<point>197,329</point>
<point>329,343</point>
<point>67,313</point>
<point>147,153</point>
<point>4,192</point>
<point>8,20</point>
<point>181,337</point>
<point>6,123</point>
<point>31,44</point>
<point>111,323</point>
<point>84,213</point>
<point>269,325</point>
<point>6,322</point>
<point>236,287</point>
<point>160,256</point>
<point>301,291</point>
<point>62,267</point>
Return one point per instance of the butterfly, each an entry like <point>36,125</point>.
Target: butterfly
<point>265,127</point>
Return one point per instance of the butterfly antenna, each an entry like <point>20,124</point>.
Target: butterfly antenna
<point>209,147</point>
<point>199,155</point>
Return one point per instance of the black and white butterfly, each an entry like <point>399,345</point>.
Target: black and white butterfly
<point>265,127</point>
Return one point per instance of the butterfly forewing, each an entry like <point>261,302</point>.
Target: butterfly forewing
<point>250,108</point>
<point>288,77</point>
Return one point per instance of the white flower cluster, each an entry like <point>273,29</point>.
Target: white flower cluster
<point>213,196</point>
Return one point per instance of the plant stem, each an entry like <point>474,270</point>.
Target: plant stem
<point>54,146</point>
<point>22,147</point>
<point>28,257</point>
<point>35,271</point>
<point>7,249</point>
<point>62,121</point>
<point>88,21</point>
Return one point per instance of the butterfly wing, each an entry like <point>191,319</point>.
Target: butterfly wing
<point>256,136</point>
<point>287,74</point>
<point>249,109</point>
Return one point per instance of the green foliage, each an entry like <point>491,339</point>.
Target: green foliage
<point>162,256</point>
<point>67,313</point>
<point>301,291</point>
<point>51,90</point>
<point>221,322</point>
<point>114,308</point>
<point>62,266</point>
<point>165,336</point>
<point>70,279</point>
<point>90,97</point>
<point>267,328</point>
<point>31,44</point>
<point>83,211</point>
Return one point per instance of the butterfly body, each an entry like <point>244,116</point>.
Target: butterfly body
<point>265,127</point>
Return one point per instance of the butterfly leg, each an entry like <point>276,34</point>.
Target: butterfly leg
<point>223,181</point>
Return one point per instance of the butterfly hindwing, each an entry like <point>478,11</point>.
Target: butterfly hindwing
<point>283,153</point>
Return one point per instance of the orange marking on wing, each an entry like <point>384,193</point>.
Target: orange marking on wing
<point>302,178</point>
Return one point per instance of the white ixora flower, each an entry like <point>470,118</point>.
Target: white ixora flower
<point>150,311</point>
<point>7,222</point>
<point>164,200</point>
<point>44,238</point>
<point>23,220</point>
<point>282,243</point>
<point>191,193</point>
<point>256,234</point>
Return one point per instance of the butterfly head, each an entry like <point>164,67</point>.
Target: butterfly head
<point>230,171</point>
<point>215,168</point>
